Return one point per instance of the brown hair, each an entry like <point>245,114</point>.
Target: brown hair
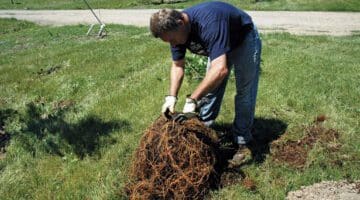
<point>164,20</point>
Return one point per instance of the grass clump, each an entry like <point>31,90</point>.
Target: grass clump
<point>12,25</point>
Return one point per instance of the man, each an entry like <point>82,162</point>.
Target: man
<point>228,37</point>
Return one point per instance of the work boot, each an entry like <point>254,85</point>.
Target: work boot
<point>242,153</point>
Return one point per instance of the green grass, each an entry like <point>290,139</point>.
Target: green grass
<point>76,107</point>
<point>303,5</point>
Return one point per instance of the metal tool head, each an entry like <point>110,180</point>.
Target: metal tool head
<point>179,117</point>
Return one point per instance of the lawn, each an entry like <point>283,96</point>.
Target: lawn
<point>75,108</point>
<point>303,5</point>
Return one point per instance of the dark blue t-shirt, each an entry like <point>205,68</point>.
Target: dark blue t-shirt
<point>216,28</point>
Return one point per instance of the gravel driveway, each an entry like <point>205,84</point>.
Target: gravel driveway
<point>302,23</point>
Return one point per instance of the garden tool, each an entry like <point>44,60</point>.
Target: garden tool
<point>181,117</point>
<point>101,32</point>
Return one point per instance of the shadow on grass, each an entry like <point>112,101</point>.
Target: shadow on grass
<point>4,137</point>
<point>264,132</point>
<point>56,135</point>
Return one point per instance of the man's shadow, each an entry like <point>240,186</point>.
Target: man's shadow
<point>264,132</point>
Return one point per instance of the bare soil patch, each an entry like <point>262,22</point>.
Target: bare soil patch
<point>249,184</point>
<point>295,153</point>
<point>231,177</point>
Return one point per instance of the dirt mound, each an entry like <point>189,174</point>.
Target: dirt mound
<point>249,184</point>
<point>230,177</point>
<point>295,153</point>
<point>327,190</point>
<point>174,161</point>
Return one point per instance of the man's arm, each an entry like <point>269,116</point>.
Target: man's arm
<point>218,71</point>
<point>176,76</point>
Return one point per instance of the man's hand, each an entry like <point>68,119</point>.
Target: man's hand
<point>190,105</point>
<point>170,102</point>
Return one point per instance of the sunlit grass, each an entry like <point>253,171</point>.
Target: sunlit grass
<point>293,5</point>
<point>76,106</point>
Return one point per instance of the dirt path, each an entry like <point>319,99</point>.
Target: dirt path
<point>327,190</point>
<point>302,23</point>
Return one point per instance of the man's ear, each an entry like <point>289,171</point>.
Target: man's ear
<point>180,22</point>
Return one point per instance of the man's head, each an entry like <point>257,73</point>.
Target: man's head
<point>170,25</point>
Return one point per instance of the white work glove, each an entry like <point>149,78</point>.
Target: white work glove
<point>190,105</point>
<point>170,102</point>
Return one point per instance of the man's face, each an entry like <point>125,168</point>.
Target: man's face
<point>175,37</point>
